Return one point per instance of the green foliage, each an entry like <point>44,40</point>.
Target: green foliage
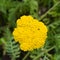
<point>11,47</point>
<point>44,10</point>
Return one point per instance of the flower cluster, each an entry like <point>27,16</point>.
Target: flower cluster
<point>30,33</point>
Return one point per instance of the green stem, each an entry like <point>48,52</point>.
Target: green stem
<point>46,51</point>
<point>49,55</point>
<point>51,48</point>
<point>49,10</point>
<point>38,56</point>
<point>26,56</point>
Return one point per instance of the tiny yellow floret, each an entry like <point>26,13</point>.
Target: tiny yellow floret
<point>30,33</point>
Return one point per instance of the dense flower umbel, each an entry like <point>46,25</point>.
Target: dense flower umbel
<point>30,33</point>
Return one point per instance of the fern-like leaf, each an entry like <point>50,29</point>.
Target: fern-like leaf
<point>11,47</point>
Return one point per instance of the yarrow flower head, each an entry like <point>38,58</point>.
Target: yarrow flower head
<point>30,33</point>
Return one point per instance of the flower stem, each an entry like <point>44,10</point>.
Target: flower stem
<point>46,51</point>
<point>49,10</point>
<point>26,56</point>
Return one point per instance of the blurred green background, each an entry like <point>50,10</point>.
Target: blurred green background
<point>43,10</point>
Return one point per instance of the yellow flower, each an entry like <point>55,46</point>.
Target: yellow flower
<point>30,33</point>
